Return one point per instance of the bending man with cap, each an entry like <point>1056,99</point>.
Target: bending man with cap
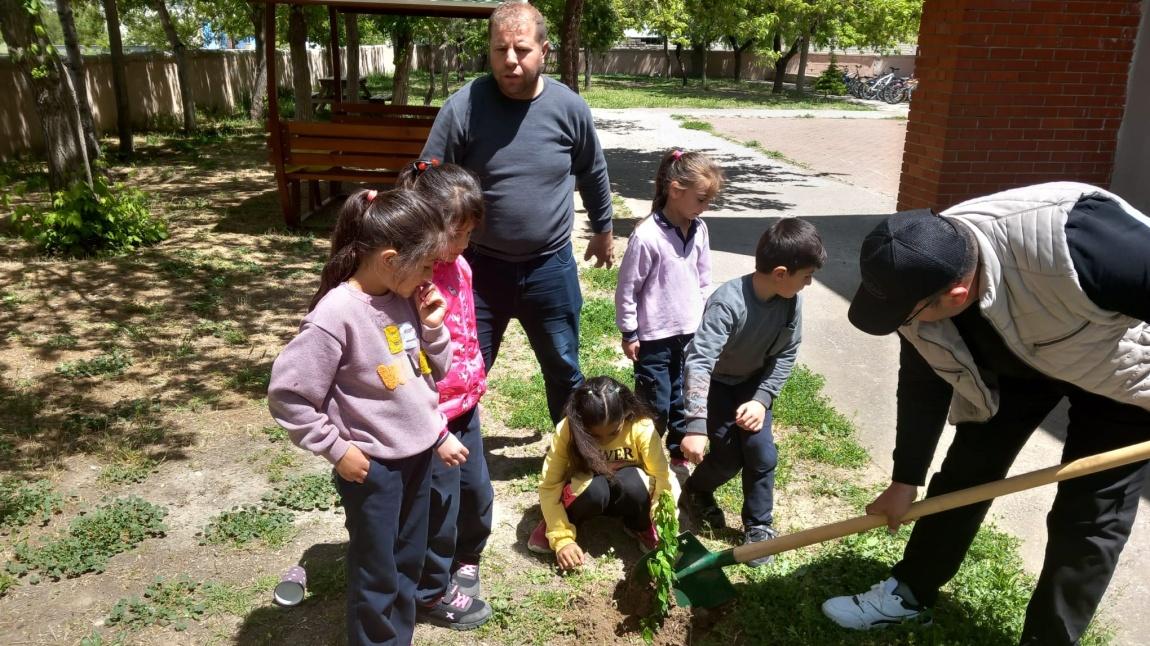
<point>1004,306</point>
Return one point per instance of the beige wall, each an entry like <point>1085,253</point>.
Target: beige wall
<point>220,80</point>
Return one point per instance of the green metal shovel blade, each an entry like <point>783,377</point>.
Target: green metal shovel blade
<point>699,578</point>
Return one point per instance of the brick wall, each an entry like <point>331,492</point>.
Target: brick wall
<point>1014,93</point>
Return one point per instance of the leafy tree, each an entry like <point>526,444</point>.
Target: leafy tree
<point>667,19</point>
<point>600,29</point>
<point>35,57</point>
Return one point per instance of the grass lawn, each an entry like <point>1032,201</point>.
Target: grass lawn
<point>626,91</point>
<point>146,497</point>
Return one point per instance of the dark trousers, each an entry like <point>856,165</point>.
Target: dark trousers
<point>1087,526</point>
<point>543,294</point>
<point>625,496</point>
<point>387,529</point>
<point>460,518</point>
<point>659,383</point>
<point>733,448</point>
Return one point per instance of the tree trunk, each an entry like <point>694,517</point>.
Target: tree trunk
<point>260,85</point>
<point>698,61</point>
<point>739,51</point>
<point>404,43</point>
<point>667,57</point>
<point>569,46</point>
<point>781,62</point>
<point>804,50</point>
<point>119,83</point>
<point>351,21</point>
<point>449,56</point>
<point>679,59</point>
<point>300,69</point>
<point>34,55</point>
<point>432,55</point>
<point>181,54</point>
<point>586,68</point>
<point>75,65</point>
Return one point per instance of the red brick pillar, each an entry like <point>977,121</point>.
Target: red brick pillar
<point>1014,93</point>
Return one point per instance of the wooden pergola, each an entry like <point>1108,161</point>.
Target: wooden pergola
<point>364,142</point>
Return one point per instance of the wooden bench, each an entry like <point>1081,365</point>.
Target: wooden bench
<point>383,115</point>
<point>358,151</point>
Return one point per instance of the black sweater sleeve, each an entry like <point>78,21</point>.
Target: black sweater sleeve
<point>923,402</point>
<point>1110,249</point>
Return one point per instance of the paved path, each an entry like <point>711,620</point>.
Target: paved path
<point>860,369</point>
<point>863,152</point>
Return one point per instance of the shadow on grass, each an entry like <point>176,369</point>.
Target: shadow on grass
<point>103,352</point>
<point>319,619</point>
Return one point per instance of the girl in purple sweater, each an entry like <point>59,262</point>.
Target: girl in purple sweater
<point>663,280</point>
<point>356,386</point>
<point>461,498</point>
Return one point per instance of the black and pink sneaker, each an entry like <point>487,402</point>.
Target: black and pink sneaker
<point>456,611</point>
<point>466,579</point>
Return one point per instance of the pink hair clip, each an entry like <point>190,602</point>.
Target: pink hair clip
<point>371,194</point>
<point>676,154</point>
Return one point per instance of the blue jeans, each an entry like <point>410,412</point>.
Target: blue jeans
<point>387,540</point>
<point>733,448</point>
<point>460,518</point>
<point>659,383</point>
<point>543,294</point>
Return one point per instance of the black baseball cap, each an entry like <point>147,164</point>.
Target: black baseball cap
<point>909,256</point>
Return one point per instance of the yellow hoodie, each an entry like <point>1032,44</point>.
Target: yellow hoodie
<point>636,445</point>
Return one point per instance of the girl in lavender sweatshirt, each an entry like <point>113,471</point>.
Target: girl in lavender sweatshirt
<point>663,281</point>
<point>356,386</point>
<point>461,498</point>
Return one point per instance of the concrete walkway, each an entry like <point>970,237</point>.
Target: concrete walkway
<point>860,369</point>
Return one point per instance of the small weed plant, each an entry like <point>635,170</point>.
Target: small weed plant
<point>6,583</point>
<point>112,363</point>
<point>661,563</point>
<point>305,493</point>
<point>248,523</point>
<point>171,602</point>
<point>91,540</point>
<point>89,220</point>
<point>24,503</point>
<point>601,278</point>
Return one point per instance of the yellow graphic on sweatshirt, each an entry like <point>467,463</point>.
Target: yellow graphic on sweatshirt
<point>424,367</point>
<point>392,376</point>
<point>394,339</point>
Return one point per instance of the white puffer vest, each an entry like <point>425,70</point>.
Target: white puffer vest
<point>1030,294</point>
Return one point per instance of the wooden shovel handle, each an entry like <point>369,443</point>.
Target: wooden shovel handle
<point>952,500</point>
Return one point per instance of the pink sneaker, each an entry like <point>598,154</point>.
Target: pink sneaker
<point>648,540</point>
<point>538,542</point>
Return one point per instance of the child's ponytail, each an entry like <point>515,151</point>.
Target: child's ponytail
<point>688,169</point>
<point>599,401</point>
<point>371,220</point>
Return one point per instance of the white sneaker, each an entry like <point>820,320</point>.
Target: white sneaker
<point>878,607</point>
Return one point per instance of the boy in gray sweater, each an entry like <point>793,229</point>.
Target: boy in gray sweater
<point>742,354</point>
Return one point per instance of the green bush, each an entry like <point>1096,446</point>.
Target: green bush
<point>831,81</point>
<point>83,220</point>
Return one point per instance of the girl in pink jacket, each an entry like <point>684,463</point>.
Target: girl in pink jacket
<point>461,498</point>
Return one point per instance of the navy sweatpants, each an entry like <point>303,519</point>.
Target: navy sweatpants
<point>733,448</point>
<point>461,505</point>
<point>659,383</point>
<point>387,529</point>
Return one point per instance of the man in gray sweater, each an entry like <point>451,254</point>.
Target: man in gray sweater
<point>736,365</point>
<point>531,140</point>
